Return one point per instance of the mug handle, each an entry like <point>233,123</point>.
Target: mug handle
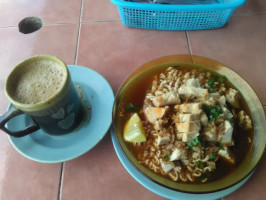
<point>12,112</point>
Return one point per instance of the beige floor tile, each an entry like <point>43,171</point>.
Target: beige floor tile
<point>115,50</point>
<point>100,10</point>
<point>252,6</point>
<point>53,40</point>
<point>21,178</point>
<point>59,11</point>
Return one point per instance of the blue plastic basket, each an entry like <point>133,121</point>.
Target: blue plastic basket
<point>176,17</point>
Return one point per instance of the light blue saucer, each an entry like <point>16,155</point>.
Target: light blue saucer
<point>165,192</point>
<point>45,148</point>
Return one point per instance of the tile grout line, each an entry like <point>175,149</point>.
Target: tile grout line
<point>60,24</point>
<point>67,23</point>
<point>248,13</point>
<point>78,36</point>
<point>100,21</point>
<point>188,44</point>
<point>49,24</point>
<point>60,182</point>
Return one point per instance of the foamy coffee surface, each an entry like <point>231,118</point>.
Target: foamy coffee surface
<point>38,81</point>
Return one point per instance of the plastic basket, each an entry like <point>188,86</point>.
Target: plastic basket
<point>176,17</point>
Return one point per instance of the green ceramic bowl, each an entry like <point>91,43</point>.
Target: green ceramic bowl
<point>256,109</point>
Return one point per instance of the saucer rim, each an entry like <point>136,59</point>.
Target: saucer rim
<point>35,157</point>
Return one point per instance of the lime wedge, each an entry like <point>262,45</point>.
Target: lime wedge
<point>133,130</point>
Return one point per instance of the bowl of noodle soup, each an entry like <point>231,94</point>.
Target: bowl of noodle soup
<point>189,123</point>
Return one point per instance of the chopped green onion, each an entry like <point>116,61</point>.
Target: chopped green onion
<point>212,81</point>
<point>131,108</point>
<point>205,175</point>
<point>223,79</point>
<point>212,156</point>
<point>207,108</point>
<point>166,157</point>
<point>199,164</point>
<point>219,109</point>
<point>230,119</point>
<point>193,142</point>
<point>212,112</point>
<point>218,144</point>
<point>150,86</point>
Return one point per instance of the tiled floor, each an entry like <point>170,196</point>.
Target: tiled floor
<point>90,33</point>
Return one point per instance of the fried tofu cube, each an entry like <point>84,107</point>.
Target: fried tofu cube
<point>227,155</point>
<point>154,113</point>
<point>232,96</point>
<point>188,126</point>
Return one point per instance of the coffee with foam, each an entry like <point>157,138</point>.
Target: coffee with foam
<point>38,81</point>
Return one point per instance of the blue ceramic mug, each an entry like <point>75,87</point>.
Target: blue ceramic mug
<point>41,87</point>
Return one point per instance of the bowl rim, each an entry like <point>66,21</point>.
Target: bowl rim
<point>205,63</point>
